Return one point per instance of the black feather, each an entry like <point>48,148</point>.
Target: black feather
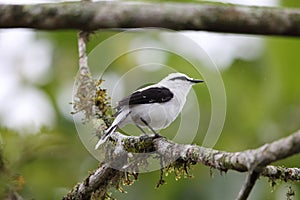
<point>150,95</point>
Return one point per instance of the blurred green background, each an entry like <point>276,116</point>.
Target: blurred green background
<point>44,157</point>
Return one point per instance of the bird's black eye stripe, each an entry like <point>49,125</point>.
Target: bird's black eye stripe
<point>180,78</point>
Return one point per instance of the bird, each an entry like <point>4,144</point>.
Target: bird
<point>155,106</point>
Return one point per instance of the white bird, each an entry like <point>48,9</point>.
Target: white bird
<point>155,106</point>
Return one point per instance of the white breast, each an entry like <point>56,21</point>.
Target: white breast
<point>157,115</point>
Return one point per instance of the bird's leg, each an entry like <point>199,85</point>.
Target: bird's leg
<point>143,131</point>
<point>144,121</point>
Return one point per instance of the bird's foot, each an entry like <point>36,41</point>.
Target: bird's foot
<point>156,135</point>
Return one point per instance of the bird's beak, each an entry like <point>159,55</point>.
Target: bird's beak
<point>196,81</point>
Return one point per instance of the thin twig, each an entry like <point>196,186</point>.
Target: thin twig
<point>249,183</point>
<point>83,38</point>
<point>282,173</point>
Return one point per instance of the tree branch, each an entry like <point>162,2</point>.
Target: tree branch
<point>249,183</point>
<point>281,173</point>
<point>177,16</point>
<point>191,154</point>
<point>99,181</point>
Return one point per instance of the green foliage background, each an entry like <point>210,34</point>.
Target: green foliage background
<point>263,105</point>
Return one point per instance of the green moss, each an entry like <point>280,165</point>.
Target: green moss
<point>143,144</point>
<point>180,168</point>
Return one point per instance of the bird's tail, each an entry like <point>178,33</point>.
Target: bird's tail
<point>105,136</point>
<point>118,120</point>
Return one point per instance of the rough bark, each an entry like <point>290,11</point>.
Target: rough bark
<point>254,161</point>
<point>177,16</point>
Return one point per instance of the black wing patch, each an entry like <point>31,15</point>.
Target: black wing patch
<point>150,95</point>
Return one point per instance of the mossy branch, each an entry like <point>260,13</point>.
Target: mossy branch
<point>92,16</point>
<point>183,156</point>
